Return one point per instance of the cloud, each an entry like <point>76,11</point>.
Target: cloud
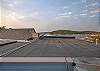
<point>95,11</point>
<point>21,17</point>
<point>65,7</point>
<point>94,4</point>
<point>92,15</point>
<point>65,14</point>
<point>75,3</point>
<point>76,16</point>
<point>34,14</point>
<point>85,10</point>
<point>83,14</point>
<point>12,14</point>
<point>62,17</point>
<point>84,1</point>
<point>15,2</point>
<point>69,13</point>
<point>62,14</point>
<point>15,16</point>
<point>11,4</point>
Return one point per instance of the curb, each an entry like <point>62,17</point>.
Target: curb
<point>8,43</point>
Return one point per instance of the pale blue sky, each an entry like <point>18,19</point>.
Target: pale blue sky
<point>48,15</point>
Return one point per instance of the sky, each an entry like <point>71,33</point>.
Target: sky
<point>49,15</point>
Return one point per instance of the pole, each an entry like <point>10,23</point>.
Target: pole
<point>96,41</point>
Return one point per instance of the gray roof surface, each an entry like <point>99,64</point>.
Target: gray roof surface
<point>53,47</point>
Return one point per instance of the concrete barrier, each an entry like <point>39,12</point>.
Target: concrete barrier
<point>6,41</point>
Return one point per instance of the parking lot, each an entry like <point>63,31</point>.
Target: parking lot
<point>51,47</point>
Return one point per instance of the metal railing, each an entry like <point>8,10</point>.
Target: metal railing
<point>88,66</point>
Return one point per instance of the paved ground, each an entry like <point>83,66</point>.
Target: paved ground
<point>8,47</point>
<point>55,47</point>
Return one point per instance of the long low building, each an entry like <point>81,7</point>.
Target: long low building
<point>18,34</point>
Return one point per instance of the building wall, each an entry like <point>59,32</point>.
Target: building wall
<point>19,34</point>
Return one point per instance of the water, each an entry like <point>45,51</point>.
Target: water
<point>35,67</point>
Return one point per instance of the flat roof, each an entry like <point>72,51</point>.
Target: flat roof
<point>51,47</point>
<point>51,51</point>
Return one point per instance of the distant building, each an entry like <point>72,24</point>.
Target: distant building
<point>18,34</point>
<point>93,38</point>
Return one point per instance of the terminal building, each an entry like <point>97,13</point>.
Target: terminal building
<point>18,34</point>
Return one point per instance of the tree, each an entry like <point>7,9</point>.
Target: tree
<point>3,27</point>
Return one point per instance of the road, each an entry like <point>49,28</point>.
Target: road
<point>55,47</point>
